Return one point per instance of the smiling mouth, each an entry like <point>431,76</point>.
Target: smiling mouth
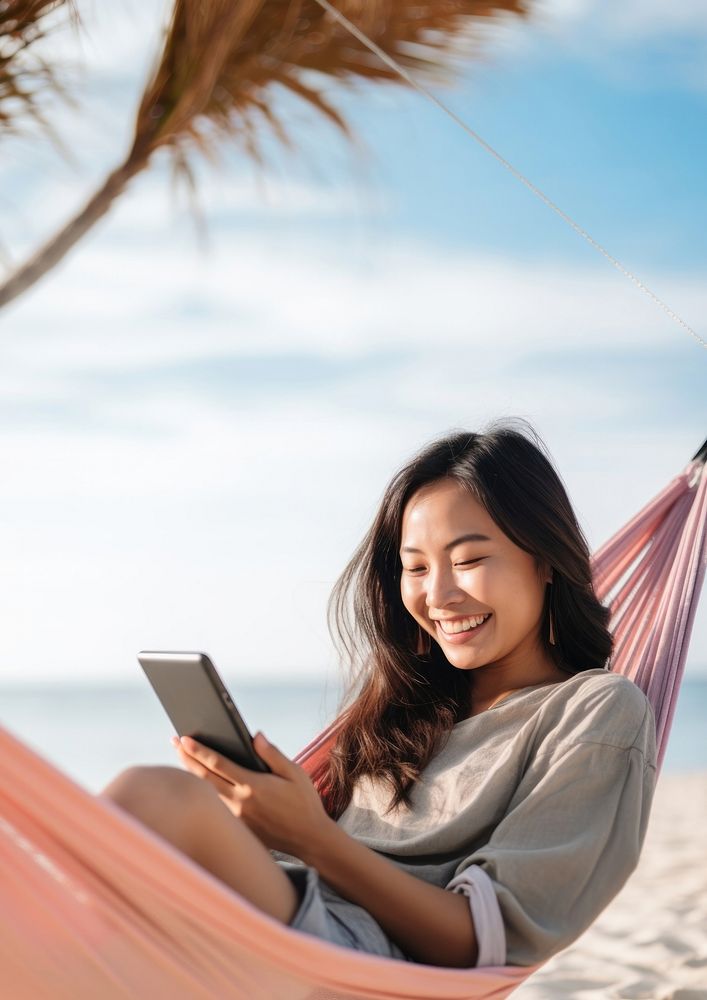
<point>472,630</point>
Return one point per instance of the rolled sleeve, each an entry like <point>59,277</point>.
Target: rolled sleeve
<point>485,912</point>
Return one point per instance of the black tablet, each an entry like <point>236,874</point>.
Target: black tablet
<point>196,700</point>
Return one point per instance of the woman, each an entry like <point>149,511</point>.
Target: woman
<point>489,789</point>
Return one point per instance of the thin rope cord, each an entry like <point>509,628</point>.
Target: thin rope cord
<point>423,90</point>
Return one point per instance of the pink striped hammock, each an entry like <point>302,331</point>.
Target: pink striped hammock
<point>94,906</point>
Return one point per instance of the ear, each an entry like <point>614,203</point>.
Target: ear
<point>545,571</point>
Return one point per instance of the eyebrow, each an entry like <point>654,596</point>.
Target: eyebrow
<point>473,537</point>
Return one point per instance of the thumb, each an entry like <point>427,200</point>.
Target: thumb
<point>279,763</point>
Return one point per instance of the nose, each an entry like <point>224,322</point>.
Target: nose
<point>442,589</point>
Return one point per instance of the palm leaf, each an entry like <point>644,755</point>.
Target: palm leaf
<point>25,77</point>
<point>254,45</point>
<point>221,63</point>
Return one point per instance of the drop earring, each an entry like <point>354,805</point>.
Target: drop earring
<point>552,623</point>
<point>423,642</point>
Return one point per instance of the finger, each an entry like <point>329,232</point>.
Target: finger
<point>191,763</point>
<point>278,762</point>
<point>226,789</point>
<point>216,762</point>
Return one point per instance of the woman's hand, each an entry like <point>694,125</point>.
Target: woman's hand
<point>283,809</point>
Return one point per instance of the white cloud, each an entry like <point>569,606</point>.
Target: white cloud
<point>109,39</point>
<point>638,43</point>
<point>631,22</point>
<point>154,209</point>
<point>135,296</point>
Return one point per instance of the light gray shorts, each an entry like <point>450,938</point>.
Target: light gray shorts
<point>326,914</point>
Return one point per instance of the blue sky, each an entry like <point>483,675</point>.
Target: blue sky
<point>195,438</point>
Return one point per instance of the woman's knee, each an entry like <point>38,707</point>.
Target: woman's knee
<point>168,800</point>
<point>153,788</point>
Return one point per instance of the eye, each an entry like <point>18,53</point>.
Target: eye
<point>467,562</point>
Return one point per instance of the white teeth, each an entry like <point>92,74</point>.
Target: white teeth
<point>463,625</point>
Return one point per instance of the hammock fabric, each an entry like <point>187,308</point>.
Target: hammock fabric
<point>95,905</point>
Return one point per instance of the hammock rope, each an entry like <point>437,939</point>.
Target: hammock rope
<point>401,71</point>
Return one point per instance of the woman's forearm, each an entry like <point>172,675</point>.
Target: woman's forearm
<point>432,925</point>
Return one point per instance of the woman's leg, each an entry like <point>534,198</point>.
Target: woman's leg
<point>187,811</point>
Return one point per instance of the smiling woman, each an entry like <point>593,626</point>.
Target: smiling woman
<point>486,748</point>
<point>489,789</point>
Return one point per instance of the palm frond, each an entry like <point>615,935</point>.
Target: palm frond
<point>222,62</point>
<point>25,77</point>
<point>218,73</point>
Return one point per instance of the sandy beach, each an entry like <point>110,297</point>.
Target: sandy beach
<point>651,941</point>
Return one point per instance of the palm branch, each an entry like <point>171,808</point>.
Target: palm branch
<point>25,77</point>
<point>219,66</point>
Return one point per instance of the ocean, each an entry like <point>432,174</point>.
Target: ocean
<point>92,732</point>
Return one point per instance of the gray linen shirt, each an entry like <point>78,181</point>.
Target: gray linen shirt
<point>548,792</point>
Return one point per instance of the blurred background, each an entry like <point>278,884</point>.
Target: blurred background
<point>201,403</point>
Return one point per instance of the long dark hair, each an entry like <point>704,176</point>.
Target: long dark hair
<point>400,703</point>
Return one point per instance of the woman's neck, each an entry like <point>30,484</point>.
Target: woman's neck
<point>489,688</point>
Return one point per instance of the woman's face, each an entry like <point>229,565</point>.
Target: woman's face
<point>451,578</point>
